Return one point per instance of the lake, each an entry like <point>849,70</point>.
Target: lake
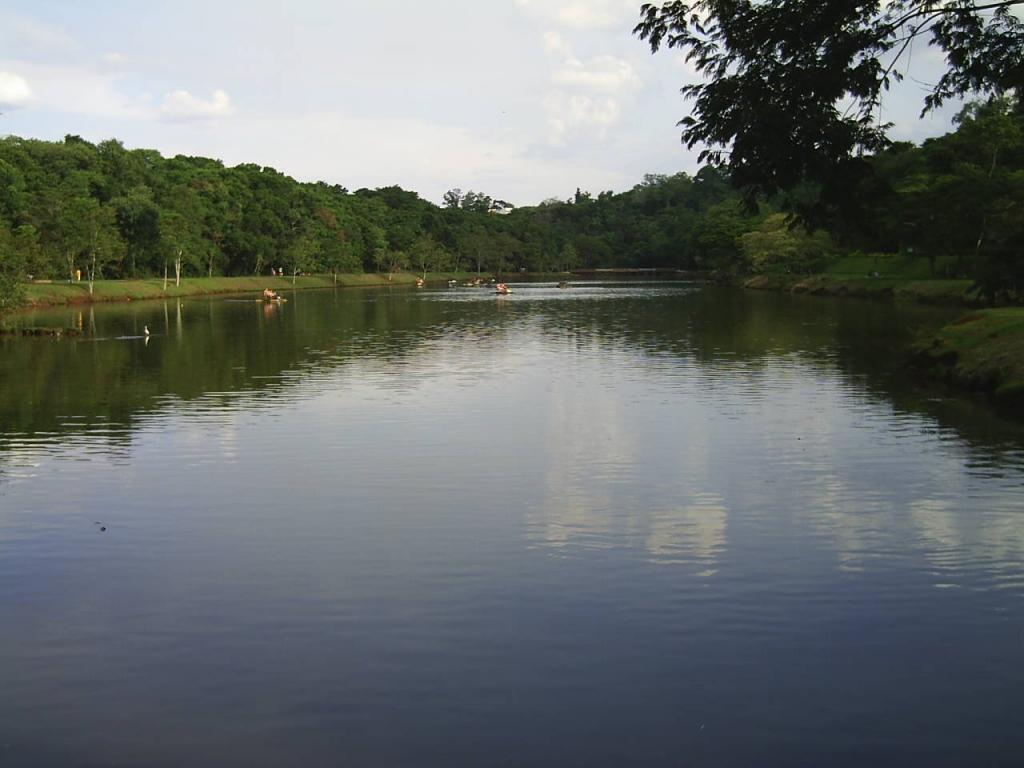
<point>621,524</point>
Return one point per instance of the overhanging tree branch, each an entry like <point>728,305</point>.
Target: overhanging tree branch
<point>789,87</point>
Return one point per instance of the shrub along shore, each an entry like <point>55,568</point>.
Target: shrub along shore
<point>982,351</point>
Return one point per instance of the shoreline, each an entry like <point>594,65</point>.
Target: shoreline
<point>981,351</point>
<point>949,292</point>
<point>40,294</point>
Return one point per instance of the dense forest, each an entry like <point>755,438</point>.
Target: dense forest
<point>77,210</point>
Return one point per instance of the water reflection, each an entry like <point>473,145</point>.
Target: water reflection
<point>957,544</point>
<point>692,533</point>
<point>375,522</point>
<point>589,449</point>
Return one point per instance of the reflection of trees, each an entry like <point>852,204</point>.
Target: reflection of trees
<point>733,354</point>
<point>98,384</point>
<point>731,333</point>
<point>219,345</point>
<point>109,374</point>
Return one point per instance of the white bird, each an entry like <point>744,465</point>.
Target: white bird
<point>145,329</point>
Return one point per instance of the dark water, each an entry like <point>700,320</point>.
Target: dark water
<point>648,524</point>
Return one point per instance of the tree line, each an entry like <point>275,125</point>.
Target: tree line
<point>74,210</point>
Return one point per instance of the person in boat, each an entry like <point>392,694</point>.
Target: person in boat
<point>268,293</point>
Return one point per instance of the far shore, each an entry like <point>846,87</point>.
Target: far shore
<point>54,293</point>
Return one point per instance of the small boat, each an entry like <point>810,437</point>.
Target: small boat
<point>501,289</point>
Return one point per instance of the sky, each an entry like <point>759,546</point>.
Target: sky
<point>521,100</point>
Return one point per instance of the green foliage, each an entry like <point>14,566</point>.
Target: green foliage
<point>776,247</point>
<point>12,272</point>
<point>957,200</point>
<point>104,210</point>
<point>791,90</point>
<point>72,209</point>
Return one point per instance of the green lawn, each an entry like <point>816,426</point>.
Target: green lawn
<point>982,350</point>
<point>58,293</point>
<point>887,265</point>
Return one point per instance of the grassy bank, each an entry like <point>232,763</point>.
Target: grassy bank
<point>899,277</point>
<point>982,351</point>
<point>952,292</point>
<point>62,293</point>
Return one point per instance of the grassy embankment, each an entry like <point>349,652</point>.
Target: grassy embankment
<point>983,350</point>
<point>903,278</point>
<point>62,293</point>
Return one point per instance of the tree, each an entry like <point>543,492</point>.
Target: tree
<point>181,228</point>
<point>12,271</point>
<point>478,244</point>
<point>179,239</point>
<point>713,241</point>
<point>391,261</point>
<point>776,247</point>
<point>138,218</point>
<point>103,245</point>
<point>71,231</point>
<point>453,198</point>
<point>792,88</point>
<point>476,201</point>
<point>302,250</point>
<point>427,255</point>
<point>568,258</point>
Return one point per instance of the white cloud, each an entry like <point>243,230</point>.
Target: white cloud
<point>113,61</point>
<point>555,43</point>
<point>182,106</point>
<point>605,73</point>
<point>77,91</point>
<point>580,14</point>
<point>566,114</point>
<point>14,92</point>
<point>586,102</point>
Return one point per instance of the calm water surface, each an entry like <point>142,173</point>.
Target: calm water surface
<point>650,524</point>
